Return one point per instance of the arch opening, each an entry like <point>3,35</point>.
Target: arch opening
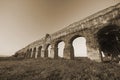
<point>47,51</point>
<point>39,51</point>
<point>34,53</point>
<point>31,52</point>
<point>27,53</point>
<point>109,41</point>
<point>79,46</point>
<point>61,49</point>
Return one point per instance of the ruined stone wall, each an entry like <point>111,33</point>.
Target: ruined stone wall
<point>87,28</point>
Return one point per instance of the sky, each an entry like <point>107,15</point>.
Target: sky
<point>24,21</point>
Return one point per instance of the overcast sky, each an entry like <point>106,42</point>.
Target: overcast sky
<point>24,21</point>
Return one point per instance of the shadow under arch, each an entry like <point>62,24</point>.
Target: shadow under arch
<point>27,53</point>
<point>39,51</point>
<point>30,53</point>
<point>74,37</point>
<point>47,50</point>
<point>109,41</point>
<point>34,53</point>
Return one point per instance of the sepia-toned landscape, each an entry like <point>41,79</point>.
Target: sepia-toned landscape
<point>59,40</point>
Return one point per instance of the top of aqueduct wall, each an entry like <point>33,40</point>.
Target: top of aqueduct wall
<point>74,25</point>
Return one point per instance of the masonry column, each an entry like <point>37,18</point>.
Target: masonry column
<point>25,55</point>
<point>68,51</point>
<point>46,53</point>
<point>42,52</point>
<point>39,52</point>
<point>36,53</point>
<point>33,55</point>
<point>29,54</point>
<point>93,50</point>
<point>54,51</point>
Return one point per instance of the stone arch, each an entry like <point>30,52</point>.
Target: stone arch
<point>78,50</point>
<point>73,37</point>
<point>59,50</point>
<point>27,53</point>
<point>79,46</point>
<point>109,41</point>
<point>34,52</point>
<point>47,52</point>
<point>30,53</point>
<point>39,51</point>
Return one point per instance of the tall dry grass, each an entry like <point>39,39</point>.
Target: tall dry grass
<point>58,69</point>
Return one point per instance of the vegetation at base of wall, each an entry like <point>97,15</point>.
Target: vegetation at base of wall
<point>57,69</point>
<point>10,58</point>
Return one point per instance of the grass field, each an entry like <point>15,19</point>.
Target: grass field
<point>59,69</point>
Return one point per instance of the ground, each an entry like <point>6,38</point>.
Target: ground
<point>58,69</point>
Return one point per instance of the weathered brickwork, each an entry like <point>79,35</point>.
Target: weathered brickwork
<point>87,28</point>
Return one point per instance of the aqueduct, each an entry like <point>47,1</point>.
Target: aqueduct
<point>101,31</point>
